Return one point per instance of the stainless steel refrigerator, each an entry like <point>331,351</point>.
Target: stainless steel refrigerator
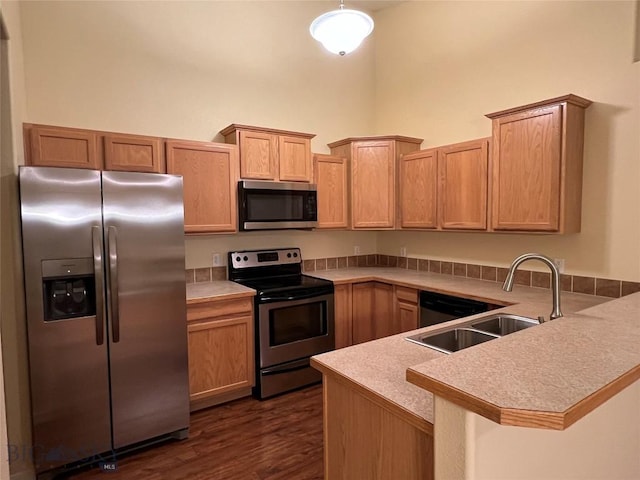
<point>106,310</point>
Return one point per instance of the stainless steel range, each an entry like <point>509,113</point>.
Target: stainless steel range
<point>294,317</point>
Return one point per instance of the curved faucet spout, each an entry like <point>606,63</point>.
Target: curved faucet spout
<point>555,278</point>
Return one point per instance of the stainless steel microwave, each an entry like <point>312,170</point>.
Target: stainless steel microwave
<point>277,205</point>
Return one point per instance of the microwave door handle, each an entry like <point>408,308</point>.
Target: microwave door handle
<point>98,271</point>
<point>113,284</point>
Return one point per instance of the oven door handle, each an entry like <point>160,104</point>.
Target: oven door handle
<point>288,298</point>
<point>290,367</point>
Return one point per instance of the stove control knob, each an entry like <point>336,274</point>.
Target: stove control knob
<point>289,255</point>
<point>245,258</point>
<point>295,254</point>
<point>238,259</point>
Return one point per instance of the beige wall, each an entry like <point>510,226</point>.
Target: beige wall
<point>603,445</point>
<point>189,69</point>
<point>441,66</point>
<point>318,244</point>
<point>12,323</point>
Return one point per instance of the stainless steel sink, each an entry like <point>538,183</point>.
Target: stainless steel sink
<point>482,330</point>
<point>452,340</point>
<point>504,323</point>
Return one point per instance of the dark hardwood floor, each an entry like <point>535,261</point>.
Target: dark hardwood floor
<point>248,439</point>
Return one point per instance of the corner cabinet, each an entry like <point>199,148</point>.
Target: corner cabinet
<point>221,352</point>
<point>371,310</point>
<point>210,177</point>
<point>537,166</point>
<point>373,164</point>
<point>331,179</point>
<point>269,154</point>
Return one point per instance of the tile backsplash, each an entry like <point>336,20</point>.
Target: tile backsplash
<point>568,283</point>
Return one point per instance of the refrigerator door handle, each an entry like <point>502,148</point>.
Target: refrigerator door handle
<point>113,284</point>
<point>98,271</point>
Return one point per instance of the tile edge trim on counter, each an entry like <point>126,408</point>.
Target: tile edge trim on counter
<point>569,283</point>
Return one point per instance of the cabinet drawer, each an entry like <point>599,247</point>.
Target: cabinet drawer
<point>407,294</point>
<point>219,308</point>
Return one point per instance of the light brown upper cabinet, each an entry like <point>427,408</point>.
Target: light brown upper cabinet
<point>463,185</point>
<point>330,176</point>
<point>418,184</point>
<point>133,153</point>
<point>210,177</point>
<point>445,188</point>
<point>373,177</point>
<point>537,166</point>
<point>50,146</point>
<point>269,154</point>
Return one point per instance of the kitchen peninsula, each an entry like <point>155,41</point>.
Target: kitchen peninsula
<point>377,425</point>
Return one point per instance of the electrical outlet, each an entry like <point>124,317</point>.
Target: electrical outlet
<point>356,250</point>
<point>403,251</point>
<point>559,264</point>
<point>217,260</point>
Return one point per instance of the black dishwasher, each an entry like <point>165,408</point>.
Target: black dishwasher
<point>438,308</point>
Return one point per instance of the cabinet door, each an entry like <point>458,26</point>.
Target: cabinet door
<point>526,170</point>
<point>407,316</point>
<point>385,322</point>
<point>418,181</point>
<point>464,170</point>
<point>210,176</point>
<point>363,328</point>
<point>373,184</point>
<point>406,310</point>
<point>63,147</point>
<point>343,312</point>
<point>258,155</point>
<point>331,180</point>
<point>294,158</point>
<point>133,153</point>
<point>220,356</point>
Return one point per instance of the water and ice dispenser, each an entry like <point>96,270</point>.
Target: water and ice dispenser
<point>69,289</point>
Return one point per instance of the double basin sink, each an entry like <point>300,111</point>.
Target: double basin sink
<point>482,330</point>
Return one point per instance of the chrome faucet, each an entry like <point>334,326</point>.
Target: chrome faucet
<point>555,280</point>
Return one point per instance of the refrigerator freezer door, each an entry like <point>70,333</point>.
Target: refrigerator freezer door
<point>61,211</point>
<point>144,225</point>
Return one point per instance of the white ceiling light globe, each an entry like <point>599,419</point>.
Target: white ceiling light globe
<point>341,31</point>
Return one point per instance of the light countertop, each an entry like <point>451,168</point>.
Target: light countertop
<point>548,376</point>
<point>207,291</point>
<point>549,370</point>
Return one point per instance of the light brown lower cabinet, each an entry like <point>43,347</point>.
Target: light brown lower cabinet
<point>370,310</point>
<point>406,309</point>
<point>343,305</point>
<point>366,439</point>
<point>221,355</point>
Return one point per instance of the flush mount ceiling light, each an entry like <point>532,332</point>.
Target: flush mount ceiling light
<point>341,31</point>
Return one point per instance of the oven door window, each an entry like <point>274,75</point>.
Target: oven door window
<point>296,323</point>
